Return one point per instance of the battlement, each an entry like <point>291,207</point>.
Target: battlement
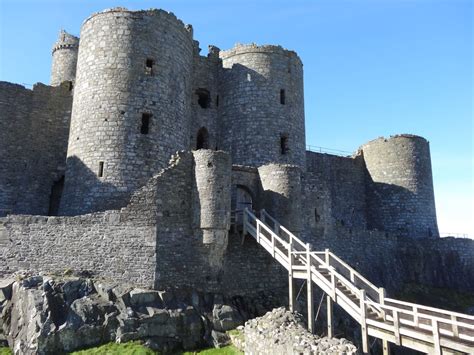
<point>254,48</point>
<point>66,41</point>
<point>139,14</point>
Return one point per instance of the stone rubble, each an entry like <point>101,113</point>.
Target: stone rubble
<point>283,332</point>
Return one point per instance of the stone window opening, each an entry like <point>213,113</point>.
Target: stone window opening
<point>204,98</point>
<point>284,144</point>
<point>145,126</point>
<point>55,197</point>
<point>100,173</point>
<point>217,101</point>
<point>149,63</point>
<point>282,97</point>
<point>317,217</point>
<point>202,141</point>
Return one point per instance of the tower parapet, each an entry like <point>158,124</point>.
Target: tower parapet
<point>262,105</point>
<point>64,53</point>
<point>400,188</point>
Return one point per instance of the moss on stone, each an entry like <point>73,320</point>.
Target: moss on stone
<point>5,351</point>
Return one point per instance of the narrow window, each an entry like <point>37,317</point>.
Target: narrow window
<point>217,101</point>
<point>101,169</point>
<point>284,144</point>
<point>149,66</point>
<point>317,217</point>
<point>282,96</point>
<point>202,141</point>
<point>204,98</point>
<point>145,127</point>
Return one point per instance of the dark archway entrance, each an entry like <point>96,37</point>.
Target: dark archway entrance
<point>202,141</point>
<point>55,197</point>
<point>241,198</point>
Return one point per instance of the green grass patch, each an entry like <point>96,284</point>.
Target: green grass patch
<point>226,350</point>
<point>131,348</point>
<point>5,351</point>
<point>437,297</point>
<point>135,348</point>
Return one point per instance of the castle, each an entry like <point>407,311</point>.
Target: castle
<point>86,180</point>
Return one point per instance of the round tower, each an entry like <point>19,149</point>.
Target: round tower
<point>131,105</point>
<point>400,188</point>
<point>64,63</point>
<point>262,105</point>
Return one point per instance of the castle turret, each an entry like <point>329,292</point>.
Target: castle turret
<point>400,188</point>
<point>131,108</point>
<point>64,63</point>
<point>282,194</point>
<point>262,105</point>
<point>213,188</point>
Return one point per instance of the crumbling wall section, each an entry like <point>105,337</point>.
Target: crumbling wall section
<point>205,99</point>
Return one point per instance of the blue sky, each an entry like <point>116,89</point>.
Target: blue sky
<point>372,68</point>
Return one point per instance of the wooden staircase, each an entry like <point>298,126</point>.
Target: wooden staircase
<point>427,329</point>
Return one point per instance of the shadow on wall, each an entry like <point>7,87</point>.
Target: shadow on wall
<point>395,209</point>
<point>80,190</point>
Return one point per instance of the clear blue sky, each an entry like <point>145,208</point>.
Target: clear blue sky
<point>372,68</point>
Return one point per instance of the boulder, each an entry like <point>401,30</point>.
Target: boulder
<point>225,317</point>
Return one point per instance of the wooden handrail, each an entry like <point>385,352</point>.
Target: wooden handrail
<point>400,319</point>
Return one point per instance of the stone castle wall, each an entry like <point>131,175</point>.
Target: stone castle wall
<point>131,106</point>
<point>152,242</point>
<point>390,261</point>
<point>334,193</point>
<point>34,128</point>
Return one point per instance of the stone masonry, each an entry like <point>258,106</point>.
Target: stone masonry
<point>136,163</point>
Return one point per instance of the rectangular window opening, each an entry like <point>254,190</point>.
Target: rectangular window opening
<point>284,144</point>
<point>282,96</point>
<point>217,101</point>
<point>101,169</point>
<point>145,127</point>
<point>149,63</point>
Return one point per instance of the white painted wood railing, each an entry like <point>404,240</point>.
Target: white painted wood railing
<point>418,327</point>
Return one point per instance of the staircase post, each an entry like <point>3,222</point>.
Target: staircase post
<point>244,219</point>
<point>309,288</point>
<point>330,315</point>
<point>291,295</point>
<point>363,324</point>
<point>386,349</point>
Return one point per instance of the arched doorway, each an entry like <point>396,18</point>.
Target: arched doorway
<point>241,198</point>
<point>202,140</point>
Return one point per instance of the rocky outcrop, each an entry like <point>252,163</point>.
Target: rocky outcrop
<point>50,314</point>
<point>283,332</point>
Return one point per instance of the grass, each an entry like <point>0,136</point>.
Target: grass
<point>437,297</point>
<point>226,350</point>
<point>131,348</point>
<point>135,348</point>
